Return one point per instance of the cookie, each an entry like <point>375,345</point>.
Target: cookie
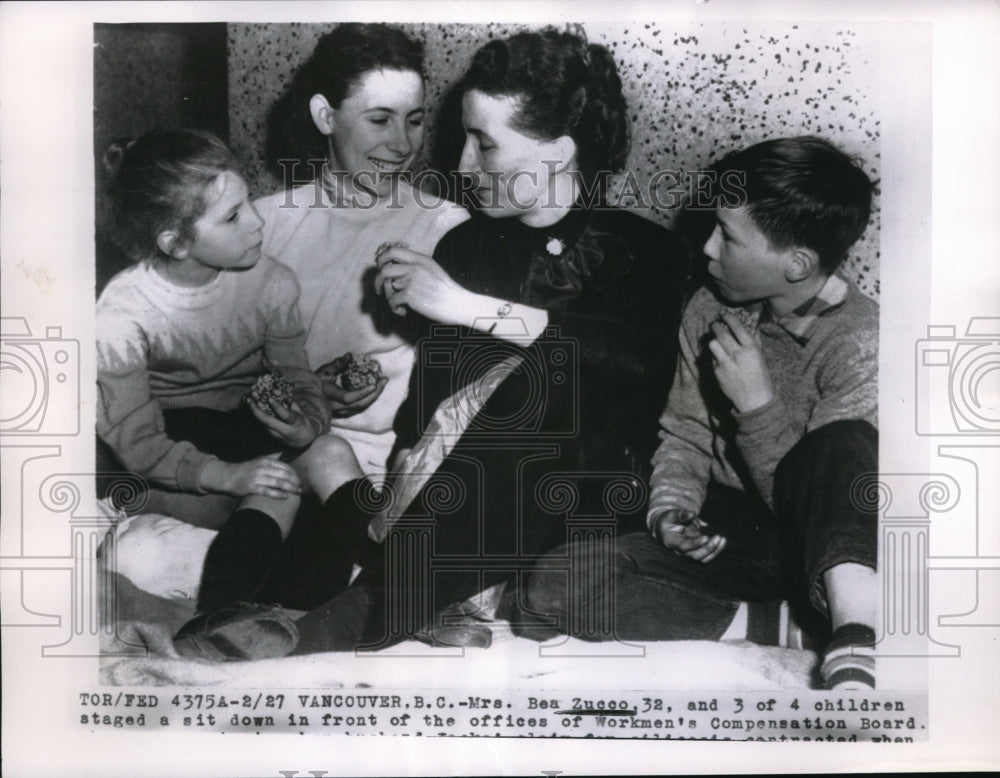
<point>350,372</point>
<point>747,317</point>
<point>271,390</point>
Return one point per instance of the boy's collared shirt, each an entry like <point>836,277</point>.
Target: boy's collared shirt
<point>823,363</point>
<point>802,322</point>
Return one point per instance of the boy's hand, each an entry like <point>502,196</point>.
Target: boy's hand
<point>266,476</point>
<point>739,364</point>
<point>288,425</point>
<point>683,533</point>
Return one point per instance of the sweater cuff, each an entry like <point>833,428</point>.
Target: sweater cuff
<point>189,471</point>
<point>655,513</point>
<point>759,419</point>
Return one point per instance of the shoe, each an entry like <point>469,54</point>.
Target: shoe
<point>465,623</point>
<point>238,632</point>
<point>467,632</point>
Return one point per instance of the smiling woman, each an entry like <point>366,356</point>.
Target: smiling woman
<point>375,131</point>
<point>358,101</point>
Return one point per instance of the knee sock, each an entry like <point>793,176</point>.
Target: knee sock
<point>849,660</point>
<point>348,511</point>
<point>311,567</point>
<point>239,559</point>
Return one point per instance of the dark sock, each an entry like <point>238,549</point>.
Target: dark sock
<point>348,512</point>
<point>311,567</point>
<point>239,559</point>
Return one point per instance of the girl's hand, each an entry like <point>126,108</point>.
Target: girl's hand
<point>289,425</point>
<point>739,364</point>
<point>684,533</point>
<point>409,280</point>
<point>266,476</point>
<point>348,402</point>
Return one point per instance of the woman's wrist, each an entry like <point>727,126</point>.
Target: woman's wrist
<point>506,319</point>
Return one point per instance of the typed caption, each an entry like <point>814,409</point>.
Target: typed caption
<point>884,717</point>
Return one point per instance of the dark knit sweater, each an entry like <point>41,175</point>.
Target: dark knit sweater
<point>613,290</point>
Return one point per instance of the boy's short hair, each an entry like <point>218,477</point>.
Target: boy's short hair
<point>804,192</point>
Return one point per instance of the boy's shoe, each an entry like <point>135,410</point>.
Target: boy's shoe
<point>238,632</point>
<point>849,660</point>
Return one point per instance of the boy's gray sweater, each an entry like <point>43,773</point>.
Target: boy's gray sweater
<point>823,360</point>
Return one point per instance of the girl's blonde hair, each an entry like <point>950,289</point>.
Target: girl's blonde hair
<point>158,183</point>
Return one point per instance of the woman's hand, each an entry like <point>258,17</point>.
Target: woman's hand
<point>266,476</point>
<point>684,533</point>
<point>414,281</point>
<point>349,402</point>
<point>289,425</point>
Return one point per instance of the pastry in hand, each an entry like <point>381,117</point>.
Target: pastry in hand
<point>271,390</point>
<point>351,373</point>
<point>747,318</point>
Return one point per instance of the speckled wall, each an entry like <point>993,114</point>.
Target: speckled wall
<point>695,93</point>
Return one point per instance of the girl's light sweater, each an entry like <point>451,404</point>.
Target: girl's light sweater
<point>163,346</point>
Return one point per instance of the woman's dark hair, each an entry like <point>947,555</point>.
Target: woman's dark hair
<point>564,86</point>
<point>803,191</point>
<point>158,183</point>
<point>338,63</point>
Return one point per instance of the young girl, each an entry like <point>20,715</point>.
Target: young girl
<point>182,336</point>
<point>184,333</point>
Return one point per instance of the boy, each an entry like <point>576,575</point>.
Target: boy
<point>770,422</point>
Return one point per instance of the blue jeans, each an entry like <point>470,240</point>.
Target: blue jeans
<point>639,590</point>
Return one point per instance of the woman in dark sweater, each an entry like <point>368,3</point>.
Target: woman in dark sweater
<point>585,298</point>
<point>545,263</point>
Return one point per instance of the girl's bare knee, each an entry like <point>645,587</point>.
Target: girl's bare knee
<point>327,464</point>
